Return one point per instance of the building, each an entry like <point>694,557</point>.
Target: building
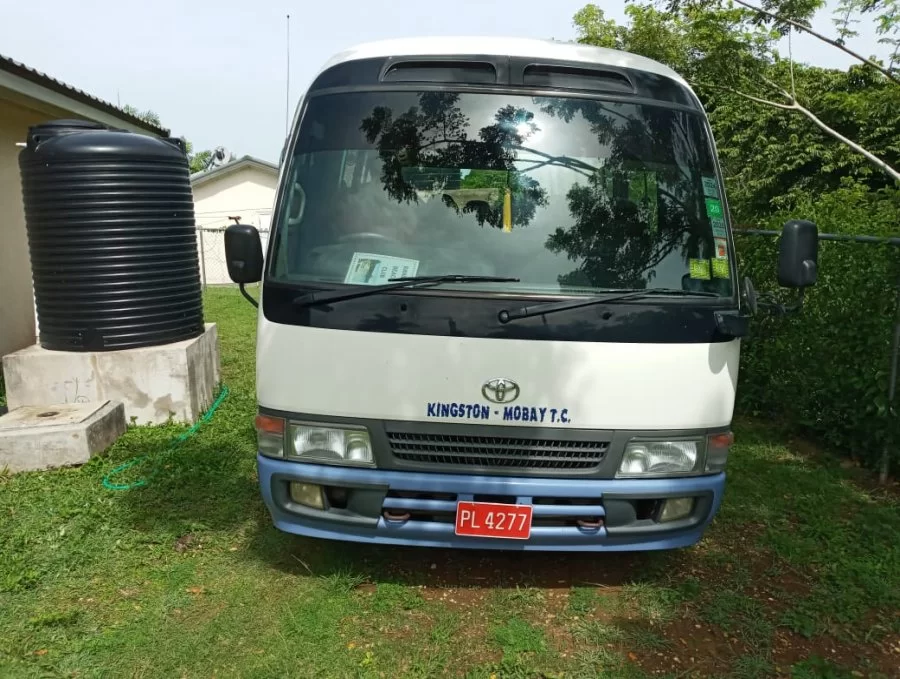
<point>243,188</point>
<point>28,97</point>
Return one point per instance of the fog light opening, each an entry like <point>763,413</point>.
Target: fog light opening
<point>590,523</point>
<point>337,496</point>
<point>675,508</point>
<point>645,509</point>
<point>396,517</point>
<point>308,495</point>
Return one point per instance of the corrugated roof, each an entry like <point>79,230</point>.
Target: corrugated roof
<point>18,68</point>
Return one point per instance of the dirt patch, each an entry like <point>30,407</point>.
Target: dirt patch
<point>706,650</point>
<point>883,656</point>
<point>187,542</point>
<point>757,584</point>
<point>456,598</point>
<point>695,648</point>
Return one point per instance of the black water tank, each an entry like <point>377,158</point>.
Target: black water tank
<point>110,221</point>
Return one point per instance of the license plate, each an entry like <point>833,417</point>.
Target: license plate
<point>489,520</point>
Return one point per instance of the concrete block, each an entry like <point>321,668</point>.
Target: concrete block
<point>45,437</point>
<point>176,380</point>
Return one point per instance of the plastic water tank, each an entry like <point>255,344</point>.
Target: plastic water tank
<point>112,238</point>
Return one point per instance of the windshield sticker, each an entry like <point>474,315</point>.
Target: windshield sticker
<point>721,248</point>
<point>710,188</point>
<point>714,208</point>
<point>368,269</point>
<point>478,411</point>
<point>720,268</point>
<point>700,269</point>
<point>718,226</point>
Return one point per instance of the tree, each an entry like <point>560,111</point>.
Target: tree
<point>733,48</point>
<point>205,159</point>
<point>787,15</point>
<point>198,161</point>
<point>773,157</point>
<point>147,116</point>
<point>430,141</point>
<point>642,204</point>
<point>769,152</point>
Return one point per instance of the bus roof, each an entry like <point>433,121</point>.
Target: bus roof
<point>513,47</point>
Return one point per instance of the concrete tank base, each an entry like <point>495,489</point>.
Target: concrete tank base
<point>176,380</point>
<point>46,437</point>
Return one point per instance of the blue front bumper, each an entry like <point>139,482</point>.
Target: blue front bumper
<point>402,491</point>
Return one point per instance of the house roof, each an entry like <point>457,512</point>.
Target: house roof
<point>50,84</point>
<point>232,166</point>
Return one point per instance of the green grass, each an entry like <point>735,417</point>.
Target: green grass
<point>187,577</point>
<point>582,600</point>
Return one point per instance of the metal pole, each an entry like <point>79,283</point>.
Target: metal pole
<point>892,390</point>
<point>825,236</point>
<point>287,88</point>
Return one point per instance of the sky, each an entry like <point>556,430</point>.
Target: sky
<point>215,71</point>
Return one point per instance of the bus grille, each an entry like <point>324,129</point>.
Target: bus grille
<point>496,452</point>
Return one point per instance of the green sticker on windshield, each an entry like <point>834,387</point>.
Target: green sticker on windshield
<point>718,227</point>
<point>710,188</point>
<point>700,269</point>
<point>714,208</point>
<point>720,268</point>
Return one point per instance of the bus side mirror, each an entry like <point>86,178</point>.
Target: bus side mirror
<point>243,253</point>
<point>798,255</point>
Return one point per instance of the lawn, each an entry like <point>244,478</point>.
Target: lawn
<point>185,577</point>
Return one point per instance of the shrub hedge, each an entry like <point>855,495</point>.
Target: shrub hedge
<point>826,370</point>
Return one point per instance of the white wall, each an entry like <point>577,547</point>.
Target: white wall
<point>248,193</point>
<point>17,318</point>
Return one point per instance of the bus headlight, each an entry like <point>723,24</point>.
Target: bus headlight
<point>331,445</point>
<point>659,458</point>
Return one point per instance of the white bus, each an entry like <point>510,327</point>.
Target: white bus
<point>499,304</point>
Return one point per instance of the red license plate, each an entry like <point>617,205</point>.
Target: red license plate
<point>489,520</point>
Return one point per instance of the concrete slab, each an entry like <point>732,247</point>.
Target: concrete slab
<point>62,435</point>
<point>176,380</point>
<point>29,416</point>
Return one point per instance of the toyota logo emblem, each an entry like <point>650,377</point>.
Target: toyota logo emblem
<point>500,390</point>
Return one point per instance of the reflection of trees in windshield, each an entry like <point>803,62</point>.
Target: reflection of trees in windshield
<point>632,183</point>
<point>632,214</point>
<point>611,238</point>
<point>428,148</point>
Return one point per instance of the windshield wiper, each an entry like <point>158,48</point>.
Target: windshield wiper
<point>312,298</point>
<point>618,296</point>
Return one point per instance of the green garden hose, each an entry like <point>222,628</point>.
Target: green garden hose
<point>178,441</point>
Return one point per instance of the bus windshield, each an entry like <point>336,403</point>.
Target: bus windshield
<point>569,195</point>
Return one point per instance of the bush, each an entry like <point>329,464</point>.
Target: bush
<point>827,369</point>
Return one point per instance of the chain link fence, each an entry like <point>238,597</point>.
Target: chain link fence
<point>211,249</point>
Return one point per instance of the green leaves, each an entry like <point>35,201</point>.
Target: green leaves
<point>827,369</point>
<point>595,29</point>
<point>728,52</point>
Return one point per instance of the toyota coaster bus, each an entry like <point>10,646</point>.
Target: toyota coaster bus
<point>499,305</point>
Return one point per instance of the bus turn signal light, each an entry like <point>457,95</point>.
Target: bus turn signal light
<point>717,449</point>
<point>270,435</point>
